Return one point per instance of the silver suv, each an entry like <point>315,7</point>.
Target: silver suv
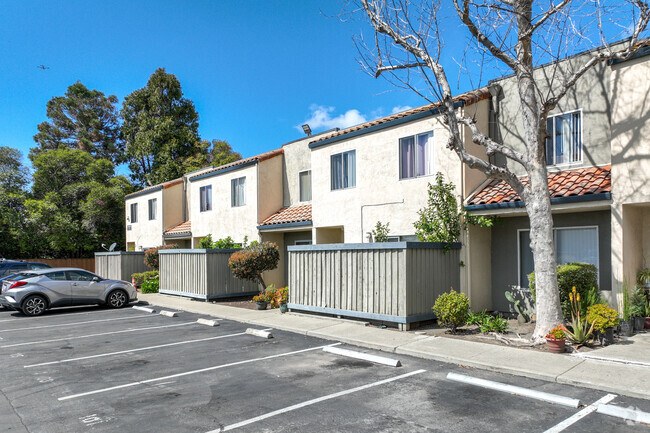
<point>33,292</point>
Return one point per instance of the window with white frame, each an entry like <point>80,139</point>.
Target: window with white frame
<point>416,156</point>
<point>134,212</point>
<point>238,197</point>
<point>564,141</point>
<point>572,245</point>
<point>153,203</point>
<point>344,170</point>
<point>304,179</point>
<point>205,198</point>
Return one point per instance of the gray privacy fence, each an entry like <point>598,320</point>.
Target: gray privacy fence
<point>393,281</point>
<point>120,265</point>
<point>202,274</point>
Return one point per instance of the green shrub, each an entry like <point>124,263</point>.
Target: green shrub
<point>380,232</point>
<point>452,309</point>
<point>250,262</point>
<point>582,276</point>
<point>220,244</point>
<point>144,276</point>
<point>150,286</point>
<point>477,318</point>
<point>602,316</point>
<point>494,324</point>
<point>152,258</point>
<point>639,301</point>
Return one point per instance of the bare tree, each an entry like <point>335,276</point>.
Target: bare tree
<point>408,48</point>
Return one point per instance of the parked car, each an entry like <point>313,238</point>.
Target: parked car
<point>10,267</point>
<point>33,292</point>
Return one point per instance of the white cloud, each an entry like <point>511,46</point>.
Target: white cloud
<point>321,118</point>
<point>400,108</point>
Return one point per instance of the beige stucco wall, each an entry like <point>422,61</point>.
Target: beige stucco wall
<point>269,191</point>
<point>224,220</point>
<point>478,267</point>
<point>590,94</point>
<point>297,158</point>
<point>379,194</point>
<point>172,206</point>
<point>630,90</point>
<point>145,233</point>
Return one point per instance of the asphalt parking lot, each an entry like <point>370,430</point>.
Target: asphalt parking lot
<point>95,369</point>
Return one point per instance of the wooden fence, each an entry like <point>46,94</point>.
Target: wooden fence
<point>392,282</point>
<point>120,265</point>
<point>202,274</point>
<point>87,264</point>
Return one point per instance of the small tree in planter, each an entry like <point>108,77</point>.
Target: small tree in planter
<point>152,258</point>
<point>250,262</point>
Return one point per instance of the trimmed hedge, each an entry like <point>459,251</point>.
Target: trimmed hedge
<point>150,286</point>
<point>582,276</point>
<point>250,262</point>
<point>452,310</point>
<point>141,277</point>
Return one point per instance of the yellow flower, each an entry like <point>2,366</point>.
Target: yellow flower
<point>574,289</point>
<point>578,297</point>
<point>571,297</point>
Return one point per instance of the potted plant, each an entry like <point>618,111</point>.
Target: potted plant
<point>261,301</point>
<point>637,308</point>
<point>647,315</point>
<point>627,324</point>
<point>643,278</point>
<point>281,298</point>
<point>604,319</point>
<point>556,339</point>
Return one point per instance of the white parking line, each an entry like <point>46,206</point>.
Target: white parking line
<point>95,335</point>
<point>625,413</point>
<point>76,323</point>
<point>187,373</point>
<point>134,350</point>
<point>583,413</point>
<point>517,390</point>
<point>365,356</point>
<point>314,401</point>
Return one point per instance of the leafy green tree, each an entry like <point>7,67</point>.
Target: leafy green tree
<point>82,119</point>
<point>77,204</point>
<point>13,180</point>
<point>222,153</point>
<point>440,220</point>
<point>160,129</point>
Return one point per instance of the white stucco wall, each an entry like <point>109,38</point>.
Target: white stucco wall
<point>145,233</point>
<point>224,220</point>
<point>297,158</point>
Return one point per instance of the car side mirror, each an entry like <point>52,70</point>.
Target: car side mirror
<point>96,279</point>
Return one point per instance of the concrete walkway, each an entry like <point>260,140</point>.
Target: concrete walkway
<point>622,368</point>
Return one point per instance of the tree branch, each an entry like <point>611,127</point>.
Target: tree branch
<point>491,146</point>
<point>381,69</point>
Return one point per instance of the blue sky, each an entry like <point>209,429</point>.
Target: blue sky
<point>255,69</point>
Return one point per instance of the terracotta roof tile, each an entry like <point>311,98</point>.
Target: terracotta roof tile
<point>259,158</point>
<point>164,185</point>
<point>288,215</point>
<point>583,181</point>
<point>182,228</point>
<point>468,98</point>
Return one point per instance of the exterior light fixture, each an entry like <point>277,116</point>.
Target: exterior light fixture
<point>307,129</point>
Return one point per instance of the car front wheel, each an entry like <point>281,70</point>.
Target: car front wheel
<point>117,299</point>
<point>34,306</point>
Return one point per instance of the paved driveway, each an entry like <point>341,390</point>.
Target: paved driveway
<point>95,369</point>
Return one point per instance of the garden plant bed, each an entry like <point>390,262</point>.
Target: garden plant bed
<point>514,337</point>
<point>239,302</point>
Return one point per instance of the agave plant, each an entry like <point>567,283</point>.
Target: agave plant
<point>581,330</point>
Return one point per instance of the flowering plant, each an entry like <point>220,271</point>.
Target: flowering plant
<point>581,331</point>
<point>557,333</point>
<point>282,295</point>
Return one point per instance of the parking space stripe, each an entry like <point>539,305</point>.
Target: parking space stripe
<point>315,401</point>
<point>77,323</point>
<point>624,413</point>
<point>187,373</point>
<point>95,335</point>
<point>178,343</point>
<point>578,416</point>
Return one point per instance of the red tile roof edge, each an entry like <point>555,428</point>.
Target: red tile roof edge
<point>164,185</point>
<point>261,157</point>
<point>302,213</point>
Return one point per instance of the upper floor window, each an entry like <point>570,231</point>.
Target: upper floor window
<point>564,142</point>
<point>134,212</point>
<point>416,155</point>
<point>238,197</point>
<point>344,170</point>
<point>304,178</point>
<point>206,198</point>
<point>152,208</point>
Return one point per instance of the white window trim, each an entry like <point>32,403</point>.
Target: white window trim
<point>582,139</point>
<point>344,188</point>
<point>131,213</point>
<point>399,158</point>
<point>155,209</point>
<point>554,229</point>
<point>232,191</point>
<point>201,210</point>
<point>299,185</point>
